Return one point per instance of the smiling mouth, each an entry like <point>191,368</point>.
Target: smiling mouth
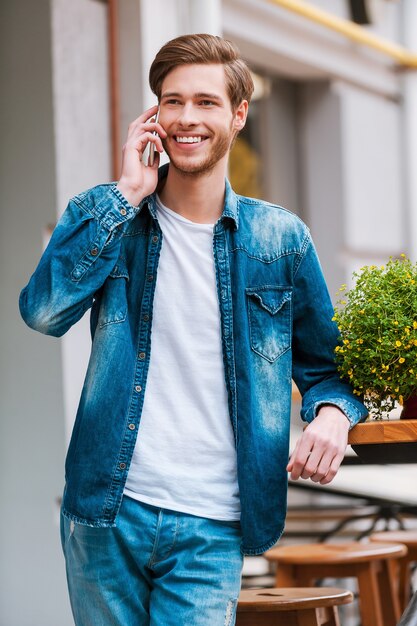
<point>189,139</point>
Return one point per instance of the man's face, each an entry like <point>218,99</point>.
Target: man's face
<point>196,113</point>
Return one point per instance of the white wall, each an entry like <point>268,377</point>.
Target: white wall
<point>409,135</point>
<point>32,441</point>
<point>82,140</point>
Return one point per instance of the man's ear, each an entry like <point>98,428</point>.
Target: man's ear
<point>240,115</point>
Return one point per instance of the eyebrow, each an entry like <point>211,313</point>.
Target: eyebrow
<point>207,96</point>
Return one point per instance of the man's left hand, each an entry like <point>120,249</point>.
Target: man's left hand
<point>320,450</point>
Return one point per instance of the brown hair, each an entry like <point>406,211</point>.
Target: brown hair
<point>205,49</point>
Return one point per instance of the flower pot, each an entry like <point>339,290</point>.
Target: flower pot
<point>409,409</point>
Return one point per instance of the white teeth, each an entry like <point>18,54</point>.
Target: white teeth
<point>188,139</point>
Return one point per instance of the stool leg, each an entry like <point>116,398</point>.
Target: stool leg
<point>388,592</point>
<point>328,616</point>
<point>286,576</point>
<point>294,576</point>
<point>369,599</point>
<point>404,582</point>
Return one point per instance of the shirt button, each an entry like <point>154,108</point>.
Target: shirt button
<point>123,211</point>
<point>150,278</point>
<point>146,318</point>
<point>94,251</point>
<point>224,294</point>
<point>122,466</point>
<point>138,388</point>
<point>142,355</point>
<point>132,427</point>
<point>155,238</point>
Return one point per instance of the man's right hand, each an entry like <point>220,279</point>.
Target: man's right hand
<point>138,180</point>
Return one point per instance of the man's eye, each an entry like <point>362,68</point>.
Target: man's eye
<point>173,101</point>
<point>206,103</point>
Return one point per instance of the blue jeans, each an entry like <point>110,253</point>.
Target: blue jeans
<point>156,567</point>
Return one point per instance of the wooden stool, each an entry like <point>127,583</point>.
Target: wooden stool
<point>372,565</point>
<point>291,607</point>
<point>409,539</point>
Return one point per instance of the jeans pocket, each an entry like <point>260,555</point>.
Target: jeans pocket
<point>270,320</point>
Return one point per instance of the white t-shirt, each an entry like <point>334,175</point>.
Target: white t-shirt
<point>185,455</point>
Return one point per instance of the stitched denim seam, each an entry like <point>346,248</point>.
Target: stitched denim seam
<point>152,560</point>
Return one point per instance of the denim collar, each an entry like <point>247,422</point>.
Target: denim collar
<point>231,202</point>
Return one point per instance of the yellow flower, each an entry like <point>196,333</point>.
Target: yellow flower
<point>401,360</point>
<point>415,325</point>
<point>411,371</point>
<point>395,323</point>
<point>402,255</point>
<point>346,341</point>
<point>398,343</point>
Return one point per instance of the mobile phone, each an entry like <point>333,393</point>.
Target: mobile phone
<point>151,157</point>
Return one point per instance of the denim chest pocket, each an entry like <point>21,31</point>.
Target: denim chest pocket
<point>113,304</point>
<point>270,320</point>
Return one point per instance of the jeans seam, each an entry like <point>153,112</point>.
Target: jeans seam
<point>152,560</point>
<point>172,546</point>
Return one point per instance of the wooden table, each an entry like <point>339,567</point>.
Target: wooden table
<point>385,441</point>
<point>384,431</point>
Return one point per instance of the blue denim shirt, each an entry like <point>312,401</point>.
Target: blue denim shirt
<point>276,322</point>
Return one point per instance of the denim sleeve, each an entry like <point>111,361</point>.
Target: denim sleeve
<point>82,251</point>
<point>315,337</point>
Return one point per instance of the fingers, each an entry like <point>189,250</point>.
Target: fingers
<point>139,143</point>
<point>146,122</point>
<point>147,137</point>
<point>154,127</point>
<point>316,457</point>
<point>143,131</point>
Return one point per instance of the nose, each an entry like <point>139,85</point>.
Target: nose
<point>188,116</point>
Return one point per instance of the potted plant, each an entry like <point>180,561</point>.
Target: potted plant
<point>377,320</point>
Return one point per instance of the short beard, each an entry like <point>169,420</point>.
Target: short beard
<point>205,166</point>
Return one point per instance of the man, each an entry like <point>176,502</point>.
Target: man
<point>204,306</point>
